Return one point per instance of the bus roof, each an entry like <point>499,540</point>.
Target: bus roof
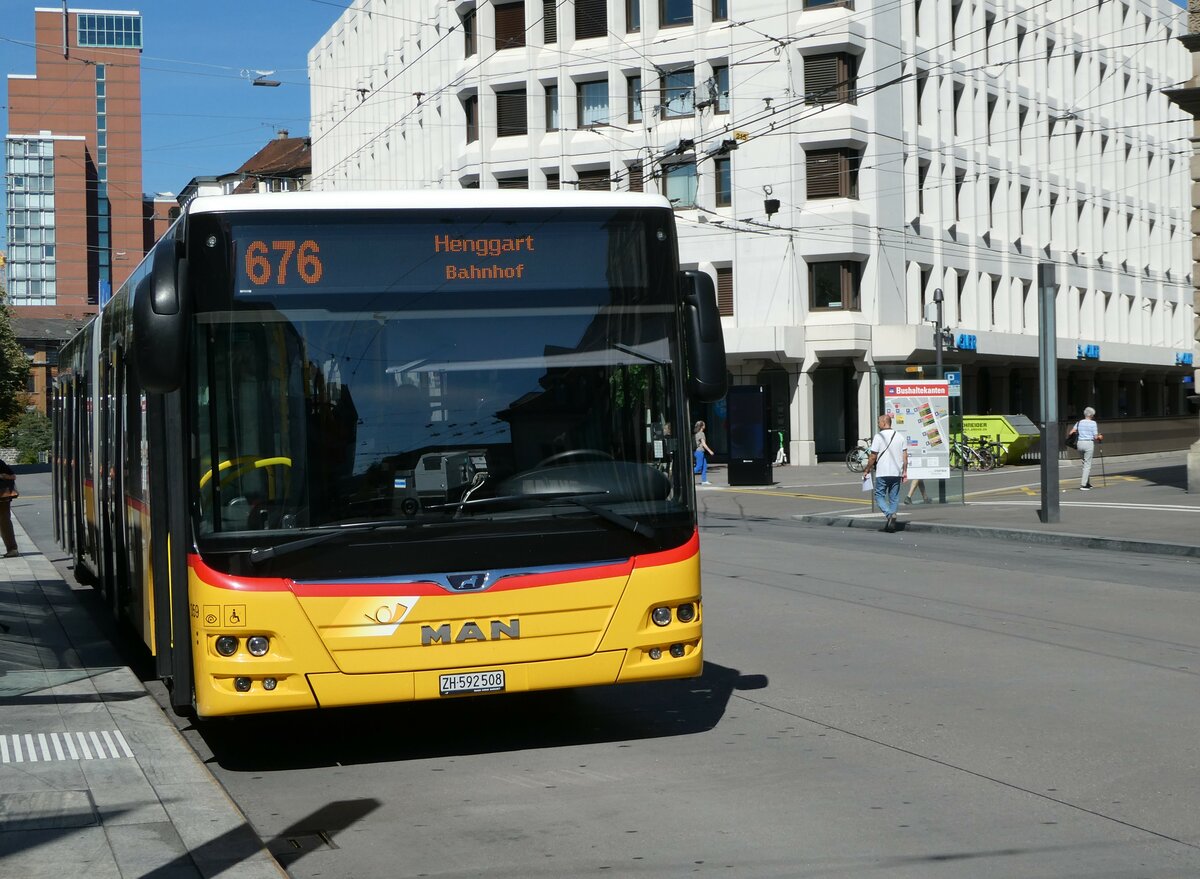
<point>420,199</point>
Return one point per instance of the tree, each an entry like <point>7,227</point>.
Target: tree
<point>14,368</point>
<point>30,434</point>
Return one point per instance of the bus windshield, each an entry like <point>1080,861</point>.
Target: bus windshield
<point>478,372</point>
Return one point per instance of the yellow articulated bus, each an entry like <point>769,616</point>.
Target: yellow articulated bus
<point>340,449</point>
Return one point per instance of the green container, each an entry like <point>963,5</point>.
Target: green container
<point>1015,432</point>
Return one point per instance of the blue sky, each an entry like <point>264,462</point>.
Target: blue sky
<point>200,116</point>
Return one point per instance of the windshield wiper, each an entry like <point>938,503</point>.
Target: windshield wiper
<point>260,554</point>
<point>545,498</point>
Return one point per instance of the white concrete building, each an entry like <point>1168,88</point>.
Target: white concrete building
<point>834,163</point>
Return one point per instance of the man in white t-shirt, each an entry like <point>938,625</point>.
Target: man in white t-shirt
<point>888,463</point>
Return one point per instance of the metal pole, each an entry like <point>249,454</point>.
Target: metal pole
<point>1048,378</point>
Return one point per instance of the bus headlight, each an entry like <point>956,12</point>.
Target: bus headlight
<point>242,685</point>
<point>258,645</point>
<point>227,645</point>
<point>686,612</point>
<point>661,616</point>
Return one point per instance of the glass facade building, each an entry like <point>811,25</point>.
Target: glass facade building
<point>29,169</point>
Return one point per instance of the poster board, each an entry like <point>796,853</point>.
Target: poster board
<point>921,411</point>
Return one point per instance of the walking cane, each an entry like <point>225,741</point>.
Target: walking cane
<point>1103,472</point>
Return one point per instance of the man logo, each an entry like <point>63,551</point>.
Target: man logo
<point>470,631</point>
<point>467,582</point>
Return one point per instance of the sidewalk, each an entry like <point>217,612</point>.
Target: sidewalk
<point>95,780</point>
<point>1139,504</point>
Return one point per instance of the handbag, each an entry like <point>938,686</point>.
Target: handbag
<point>1072,440</point>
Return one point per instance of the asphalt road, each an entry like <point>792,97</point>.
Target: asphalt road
<point>873,705</point>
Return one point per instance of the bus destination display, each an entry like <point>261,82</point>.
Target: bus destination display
<point>418,258</point>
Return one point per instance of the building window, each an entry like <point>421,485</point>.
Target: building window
<point>553,180</point>
<point>517,182</point>
<point>960,180</point>
<point>922,178</point>
<point>831,79</point>
<point>633,16</point>
<point>470,34</point>
<point>720,10</point>
<point>834,286</point>
<point>725,290</point>
<point>592,103</point>
<point>636,178</point>
<point>109,31</point>
<point>721,84</point>
<point>510,26</point>
<point>820,4</point>
<point>832,173</point>
<point>679,94</point>
<point>549,22</point>
<point>591,19</point>
<point>674,13</point>
<point>471,112</point>
<point>724,181</point>
<point>553,123</point>
<point>633,94</point>
<point>594,181</point>
<point>680,184</point>
<point>512,114</point>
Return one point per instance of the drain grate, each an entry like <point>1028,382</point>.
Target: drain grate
<point>297,845</point>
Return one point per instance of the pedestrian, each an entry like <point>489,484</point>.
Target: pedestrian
<point>701,453</point>
<point>8,491</point>
<point>1088,435</point>
<point>913,486</point>
<point>888,463</point>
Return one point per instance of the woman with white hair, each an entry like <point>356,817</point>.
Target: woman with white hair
<point>1089,435</point>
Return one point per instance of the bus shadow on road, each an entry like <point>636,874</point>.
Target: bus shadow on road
<point>475,725</point>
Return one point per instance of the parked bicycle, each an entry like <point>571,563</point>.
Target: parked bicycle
<point>997,449</point>
<point>964,456</point>
<point>856,458</point>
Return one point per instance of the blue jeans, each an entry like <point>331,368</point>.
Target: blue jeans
<point>701,465</point>
<point>887,494</point>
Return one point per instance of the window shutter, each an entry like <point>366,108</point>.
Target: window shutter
<point>513,183</point>
<point>821,79</point>
<point>512,115</point>
<point>725,290</point>
<point>549,22</point>
<point>510,26</point>
<point>552,181</point>
<point>823,168</point>
<point>594,181</point>
<point>591,18</point>
<point>636,178</point>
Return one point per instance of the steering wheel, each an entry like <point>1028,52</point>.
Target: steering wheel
<point>576,453</point>
<point>244,464</point>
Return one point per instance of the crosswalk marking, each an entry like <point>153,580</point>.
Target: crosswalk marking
<point>51,747</point>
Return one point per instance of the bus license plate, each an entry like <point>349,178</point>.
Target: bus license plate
<point>472,682</point>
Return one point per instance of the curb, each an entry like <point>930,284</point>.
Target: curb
<point>1078,541</point>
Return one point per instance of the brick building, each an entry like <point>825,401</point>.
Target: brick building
<point>73,159</point>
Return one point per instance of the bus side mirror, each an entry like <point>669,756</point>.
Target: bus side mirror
<point>161,315</point>
<point>705,341</point>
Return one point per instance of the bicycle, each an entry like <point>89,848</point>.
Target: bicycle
<point>856,458</point>
<point>964,456</point>
<point>996,449</point>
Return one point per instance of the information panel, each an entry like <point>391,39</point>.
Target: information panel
<point>921,411</point>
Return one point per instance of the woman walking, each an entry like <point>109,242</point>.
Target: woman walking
<point>1089,435</point>
<point>700,454</point>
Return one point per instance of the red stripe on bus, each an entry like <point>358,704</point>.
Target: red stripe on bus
<point>137,503</point>
<point>427,587</point>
